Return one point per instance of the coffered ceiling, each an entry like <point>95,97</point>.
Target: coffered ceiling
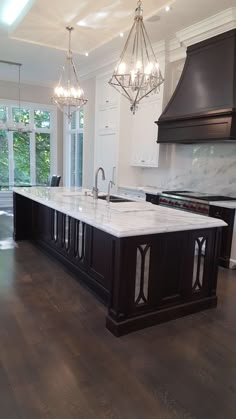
<point>38,38</point>
<point>95,22</point>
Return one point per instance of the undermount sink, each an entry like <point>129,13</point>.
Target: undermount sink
<point>114,198</point>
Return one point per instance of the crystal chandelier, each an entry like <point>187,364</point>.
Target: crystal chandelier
<point>16,125</point>
<point>137,73</point>
<point>68,95</point>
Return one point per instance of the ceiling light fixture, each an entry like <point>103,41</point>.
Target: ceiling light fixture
<point>167,8</point>
<point>18,124</point>
<point>68,95</point>
<point>121,35</point>
<point>86,54</point>
<point>137,73</point>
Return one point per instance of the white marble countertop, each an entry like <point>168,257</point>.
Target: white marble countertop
<point>145,189</point>
<point>224,204</point>
<point>125,219</point>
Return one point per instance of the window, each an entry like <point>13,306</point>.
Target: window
<point>27,158</point>
<point>73,146</point>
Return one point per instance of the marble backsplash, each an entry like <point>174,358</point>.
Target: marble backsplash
<point>207,168</point>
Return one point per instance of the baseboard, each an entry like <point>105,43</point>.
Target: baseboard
<point>162,315</point>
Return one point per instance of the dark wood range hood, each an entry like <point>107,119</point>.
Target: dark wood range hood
<point>203,106</point>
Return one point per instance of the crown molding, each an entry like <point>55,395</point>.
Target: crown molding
<point>207,28</point>
<point>175,49</point>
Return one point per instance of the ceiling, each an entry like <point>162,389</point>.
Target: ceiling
<point>38,38</point>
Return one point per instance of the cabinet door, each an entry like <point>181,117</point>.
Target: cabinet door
<point>105,156</point>
<point>107,120</point>
<point>145,150</point>
<point>106,94</point>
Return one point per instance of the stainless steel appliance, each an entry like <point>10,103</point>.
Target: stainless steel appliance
<point>196,202</point>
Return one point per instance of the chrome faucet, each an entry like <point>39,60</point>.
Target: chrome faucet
<point>95,188</point>
<point>110,184</point>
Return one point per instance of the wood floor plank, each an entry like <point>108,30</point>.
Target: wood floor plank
<point>58,361</point>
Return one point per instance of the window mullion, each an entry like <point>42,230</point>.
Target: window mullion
<point>10,150</point>
<point>32,159</point>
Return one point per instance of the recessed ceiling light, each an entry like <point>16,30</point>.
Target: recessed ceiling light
<point>12,10</point>
<point>121,34</point>
<point>86,54</point>
<point>167,8</point>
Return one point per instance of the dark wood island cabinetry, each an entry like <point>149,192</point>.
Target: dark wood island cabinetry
<point>144,279</point>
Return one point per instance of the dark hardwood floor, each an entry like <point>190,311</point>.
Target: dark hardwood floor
<point>58,361</point>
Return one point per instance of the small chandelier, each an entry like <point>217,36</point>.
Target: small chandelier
<point>17,126</point>
<point>137,73</point>
<point>68,95</point>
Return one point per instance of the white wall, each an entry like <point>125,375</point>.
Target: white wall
<point>89,87</point>
<point>36,94</point>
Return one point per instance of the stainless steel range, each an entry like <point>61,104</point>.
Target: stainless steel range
<point>190,201</point>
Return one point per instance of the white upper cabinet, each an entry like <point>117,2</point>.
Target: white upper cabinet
<point>106,130</point>
<point>145,150</point>
<point>106,95</point>
<point>107,120</point>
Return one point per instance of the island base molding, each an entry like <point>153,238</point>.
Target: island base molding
<point>160,316</point>
<point>143,280</point>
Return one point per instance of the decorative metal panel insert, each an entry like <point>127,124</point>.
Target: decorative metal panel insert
<point>142,274</point>
<point>54,225</point>
<point>79,239</point>
<point>199,261</point>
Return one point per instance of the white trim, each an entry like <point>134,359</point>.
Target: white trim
<point>207,28</point>
<point>68,132</point>
<point>52,131</point>
<point>176,51</point>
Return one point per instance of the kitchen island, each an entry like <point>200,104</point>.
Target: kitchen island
<point>147,263</point>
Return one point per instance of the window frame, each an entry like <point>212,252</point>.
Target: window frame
<point>67,147</point>
<point>32,106</point>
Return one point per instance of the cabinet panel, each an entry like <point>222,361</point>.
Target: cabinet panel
<point>105,156</point>
<point>106,95</point>
<point>145,150</point>
<point>107,120</point>
<point>226,214</point>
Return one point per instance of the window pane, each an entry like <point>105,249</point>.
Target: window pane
<point>4,174</point>
<point>21,115</point>
<point>73,159</point>
<point>21,149</point>
<point>3,113</point>
<point>42,145</point>
<point>73,121</point>
<point>81,118</point>
<point>80,159</point>
<point>42,119</point>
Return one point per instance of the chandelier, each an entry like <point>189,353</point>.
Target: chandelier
<point>137,73</point>
<point>68,95</point>
<point>17,124</point>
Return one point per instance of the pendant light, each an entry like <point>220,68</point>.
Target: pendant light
<point>17,126</point>
<point>137,73</point>
<point>68,95</point>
